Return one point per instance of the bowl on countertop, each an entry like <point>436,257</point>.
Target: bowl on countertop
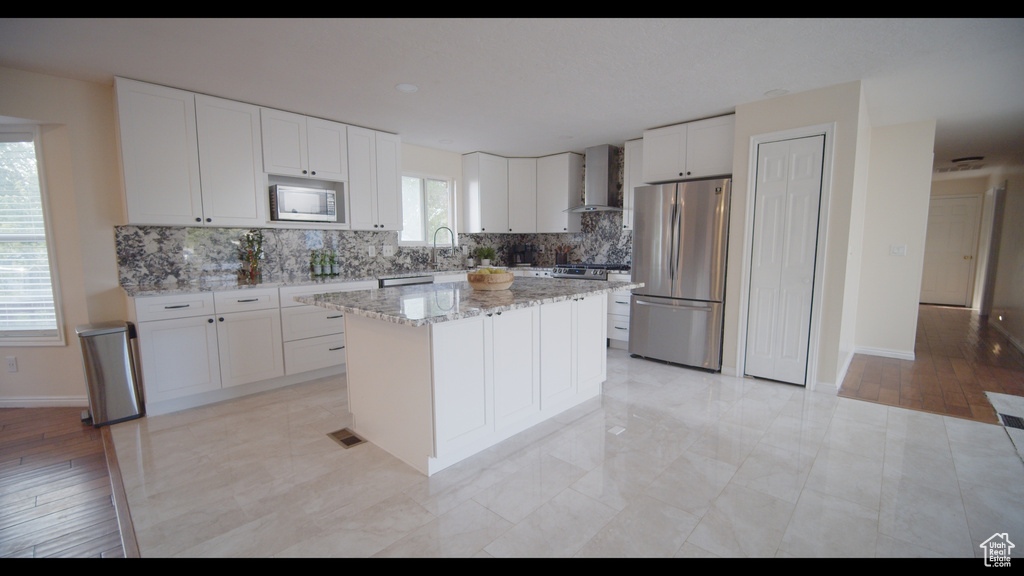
<point>497,281</point>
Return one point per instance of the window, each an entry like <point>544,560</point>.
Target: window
<point>427,204</point>
<point>28,310</point>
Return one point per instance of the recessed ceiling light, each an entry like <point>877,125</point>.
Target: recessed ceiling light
<point>407,88</point>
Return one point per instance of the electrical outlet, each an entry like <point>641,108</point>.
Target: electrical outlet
<point>12,363</point>
<point>540,248</point>
<point>389,250</point>
<point>371,251</point>
<point>465,249</point>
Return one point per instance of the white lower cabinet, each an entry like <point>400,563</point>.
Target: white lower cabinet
<point>250,346</point>
<point>314,337</point>
<point>515,361</point>
<point>179,357</point>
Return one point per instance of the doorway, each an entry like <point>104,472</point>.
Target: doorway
<point>950,252</point>
<point>783,258</point>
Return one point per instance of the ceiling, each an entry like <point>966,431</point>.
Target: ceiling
<point>530,87</point>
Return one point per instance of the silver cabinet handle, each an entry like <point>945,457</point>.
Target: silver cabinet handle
<point>333,349</point>
<point>176,306</point>
<point>248,300</point>
<point>620,328</point>
<point>338,316</point>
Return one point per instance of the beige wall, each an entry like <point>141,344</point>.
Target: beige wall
<point>899,183</point>
<point>843,106</point>
<point>84,193</point>
<point>1008,297</point>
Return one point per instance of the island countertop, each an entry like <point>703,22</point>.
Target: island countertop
<point>430,303</point>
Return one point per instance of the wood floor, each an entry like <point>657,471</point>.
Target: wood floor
<point>957,358</point>
<point>56,498</point>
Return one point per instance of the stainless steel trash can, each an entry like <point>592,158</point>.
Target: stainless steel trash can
<point>108,353</point>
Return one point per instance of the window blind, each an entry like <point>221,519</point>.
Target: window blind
<point>27,307</point>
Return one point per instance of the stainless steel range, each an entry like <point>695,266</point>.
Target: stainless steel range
<point>587,271</point>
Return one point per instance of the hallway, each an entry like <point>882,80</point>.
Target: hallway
<point>958,358</point>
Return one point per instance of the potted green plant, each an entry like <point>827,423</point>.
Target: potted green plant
<point>252,254</point>
<point>314,263</point>
<point>485,254</point>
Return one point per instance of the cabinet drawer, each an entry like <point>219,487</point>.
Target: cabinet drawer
<point>298,322</point>
<point>244,300</point>
<point>313,353</point>
<point>618,303</point>
<point>176,306</point>
<point>290,292</point>
<point>618,327</point>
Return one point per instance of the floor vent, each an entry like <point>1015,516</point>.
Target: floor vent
<point>1012,421</point>
<point>346,438</point>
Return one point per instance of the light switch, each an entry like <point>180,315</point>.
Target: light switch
<point>898,250</point>
<point>371,251</point>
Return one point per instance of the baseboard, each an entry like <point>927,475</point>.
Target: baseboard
<point>884,352</point>
<point>1002,330</point>
<point>44,402</point>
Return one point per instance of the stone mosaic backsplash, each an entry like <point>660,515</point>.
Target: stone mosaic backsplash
<point>154,255</point>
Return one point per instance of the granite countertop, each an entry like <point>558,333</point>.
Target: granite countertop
<point>221,284</point>
<point>430,303</point>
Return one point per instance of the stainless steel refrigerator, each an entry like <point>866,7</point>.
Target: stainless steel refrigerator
<point>680,236</point>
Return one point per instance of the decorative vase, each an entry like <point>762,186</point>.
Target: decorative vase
<point>485,262</point>
<point>318,270</point>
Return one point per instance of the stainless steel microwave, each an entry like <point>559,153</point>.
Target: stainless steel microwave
<point>297,203</point>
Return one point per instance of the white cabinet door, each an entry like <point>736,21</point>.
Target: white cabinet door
<point>691,150</point>
<point>522,195</point>
<point>591,341</point>
<point>632,176</point>
<point>375,180</point>
<point>388,194</point>
<point>485,199</point>
<point>327,149</point>
<point>284,143</point>
<point>557,383</point>
<point>159,153</point>
<point>463,400</point>
<point>230,169</point>
<point>709,146</point>
<point>664,154</point>
<point>559,187</point>
<point>362,178</point>
<point>179,357</point>
<point>515,357</point>
<point>250,346</point>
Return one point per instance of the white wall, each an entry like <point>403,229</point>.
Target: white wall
<point>899,185</point>
<point>84,191</point>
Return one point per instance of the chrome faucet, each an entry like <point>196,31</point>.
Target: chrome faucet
<point>433,255</point>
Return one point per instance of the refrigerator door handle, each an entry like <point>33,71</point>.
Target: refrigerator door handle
<point>673,306</point>
<point>674,241</point>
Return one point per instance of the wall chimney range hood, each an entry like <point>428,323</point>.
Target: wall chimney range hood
<point>601,188</point>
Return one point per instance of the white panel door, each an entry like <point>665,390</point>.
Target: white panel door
<point>950,247</point>
<point>787,197</point>
<point>327,149</point>
<point>388,193</point>
<point>250,346</point>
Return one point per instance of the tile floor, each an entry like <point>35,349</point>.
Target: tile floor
<point>706,466</point>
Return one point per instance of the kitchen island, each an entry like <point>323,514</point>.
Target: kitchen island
<point>439,372</point>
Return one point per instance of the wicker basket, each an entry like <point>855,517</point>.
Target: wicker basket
<point>499,281</point>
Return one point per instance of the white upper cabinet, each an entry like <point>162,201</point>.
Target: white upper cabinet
<point>632,176</point>
<point>522,195</point>
<point>303,146</point>
<point>230,170</point>
<point>559,187</point>
<point>485,179</point>
<point>159,153</point>
<point>188,159</point>
<point>374,180</point>
<point>692,150</point>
